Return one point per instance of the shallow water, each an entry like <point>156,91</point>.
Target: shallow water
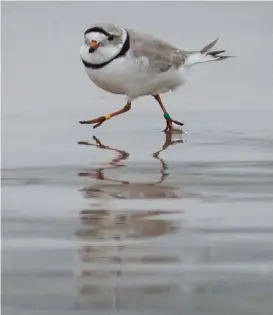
<point>131,221</point>
<point>189,229</point>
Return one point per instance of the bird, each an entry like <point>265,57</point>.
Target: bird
<point>134,64</point>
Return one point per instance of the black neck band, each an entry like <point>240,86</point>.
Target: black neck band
<point>122,52</point>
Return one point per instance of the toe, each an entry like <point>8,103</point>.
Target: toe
<point>177,122</point>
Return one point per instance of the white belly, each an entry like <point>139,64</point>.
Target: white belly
<point>126,76</point>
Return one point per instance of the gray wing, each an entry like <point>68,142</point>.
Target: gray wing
<point>161,55</point>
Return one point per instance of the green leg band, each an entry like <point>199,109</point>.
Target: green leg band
<point>167,116</point>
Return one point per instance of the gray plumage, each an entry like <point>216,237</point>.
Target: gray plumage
<point>161,55</point>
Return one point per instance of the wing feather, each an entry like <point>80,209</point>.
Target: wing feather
<point>161,55</point>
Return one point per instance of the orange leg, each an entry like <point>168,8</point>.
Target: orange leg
<point>98,121</point>
<point>169,120</point>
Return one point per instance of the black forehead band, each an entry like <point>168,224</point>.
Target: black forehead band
<point>98,30</point>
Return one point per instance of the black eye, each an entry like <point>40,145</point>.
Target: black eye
<point>110,37</point>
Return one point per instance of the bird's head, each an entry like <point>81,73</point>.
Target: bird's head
<point>102,42</point>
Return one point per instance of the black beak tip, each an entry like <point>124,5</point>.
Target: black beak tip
<point>91,49</point>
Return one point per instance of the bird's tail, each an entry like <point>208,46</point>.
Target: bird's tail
<point>206,55</point>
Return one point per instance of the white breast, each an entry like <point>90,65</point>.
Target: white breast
<point>134,78</point>
<point>112,77</point>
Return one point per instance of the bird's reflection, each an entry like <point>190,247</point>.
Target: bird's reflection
<point>146,190</point>
<point>117,231</point>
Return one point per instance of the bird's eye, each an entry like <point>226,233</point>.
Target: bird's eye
<point>110,37</point>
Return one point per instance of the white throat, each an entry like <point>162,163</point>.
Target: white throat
<point>103,53</point>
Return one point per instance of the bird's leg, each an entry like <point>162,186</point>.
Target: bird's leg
<point>169,120</point>
<point>98,121</point>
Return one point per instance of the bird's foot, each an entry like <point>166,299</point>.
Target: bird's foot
<point>169,125</point>
<point>97,121</point>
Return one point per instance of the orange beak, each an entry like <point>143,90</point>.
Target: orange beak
<point>94,44</point>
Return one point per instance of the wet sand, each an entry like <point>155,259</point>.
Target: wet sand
<point>129,221</point>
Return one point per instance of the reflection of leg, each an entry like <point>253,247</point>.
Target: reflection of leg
<point>98,121</point>
<point>99,173</point>
<point>168,142</point>
<point>169,120</point>
<point>98,144</point>
<point>122,154</point>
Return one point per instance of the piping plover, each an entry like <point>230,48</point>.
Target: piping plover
<point>127,62</point>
